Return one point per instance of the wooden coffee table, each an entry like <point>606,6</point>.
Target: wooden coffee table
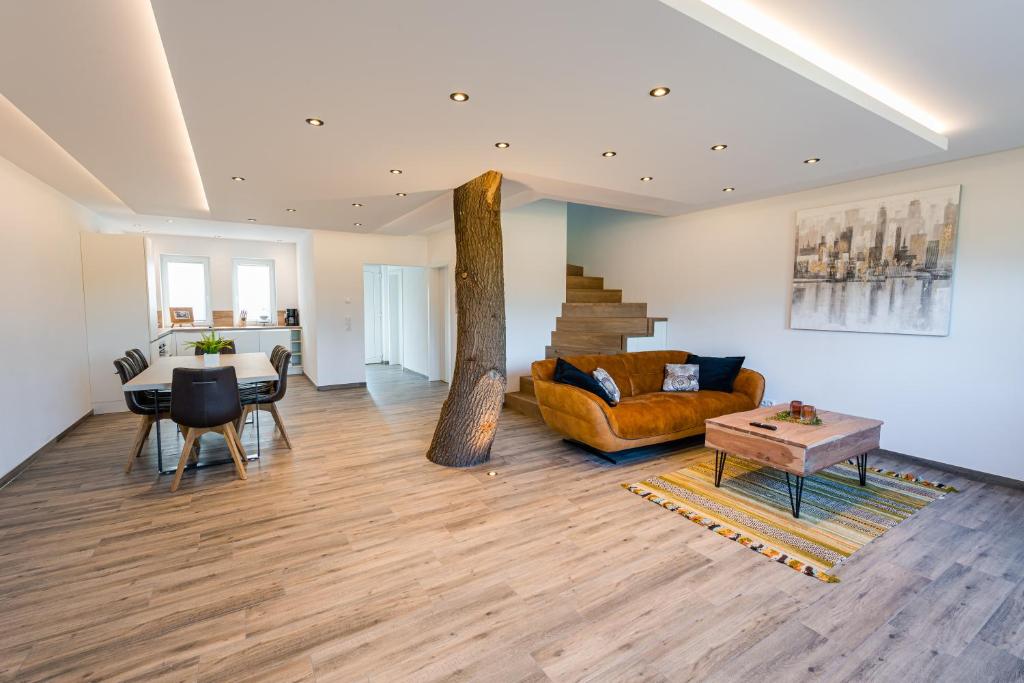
<point>794,448</point>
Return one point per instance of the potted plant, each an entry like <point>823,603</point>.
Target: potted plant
<point>210,347</point>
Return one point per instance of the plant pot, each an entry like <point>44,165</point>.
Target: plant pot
<point>211,359</point>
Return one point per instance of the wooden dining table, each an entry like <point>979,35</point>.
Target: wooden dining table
<point>250,368</point>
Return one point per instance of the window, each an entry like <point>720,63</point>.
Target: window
<point>185,281</point>
<point>255,289</point>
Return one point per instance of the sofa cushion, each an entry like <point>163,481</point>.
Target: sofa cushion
<point>717,374</point>
<point>681,377</point>
<point>612,364</point>
<point>646,369</point>
<point>654,414</point>
<point>567,373</point>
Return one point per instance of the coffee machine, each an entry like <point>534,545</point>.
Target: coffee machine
<point>291,317</point>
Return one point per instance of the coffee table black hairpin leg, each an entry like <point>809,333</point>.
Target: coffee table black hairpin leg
<point>794,503</point>
<point>862,468</point>
<point>719,467</point>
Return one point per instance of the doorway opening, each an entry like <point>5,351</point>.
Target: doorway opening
<point>396,305</point>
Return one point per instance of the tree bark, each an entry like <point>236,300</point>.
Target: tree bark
<point>469,417</point>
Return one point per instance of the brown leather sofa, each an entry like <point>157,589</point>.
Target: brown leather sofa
<point>645,415</point>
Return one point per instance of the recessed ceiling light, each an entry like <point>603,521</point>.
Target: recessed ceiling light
<point>395,171</point>
<point>400,194</point>
<point>217,237</point>
<point>251,220</point>
<point>290,210</point>
<point>137,225</point>
<point>728,189</point>
<point>660,91</point>
<point>238,178</point>
<point>501,145</point>
<point>358,225</point>
<point>812,160</point>
<point>718,148</point>
<point>356,204</point>
<point>315,122</point>
<point>170,220</point>
<point>608,155</point>
<point>459,96</point>
<point>646,179</point>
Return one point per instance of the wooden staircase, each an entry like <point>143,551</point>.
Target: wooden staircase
<point>593,320</point>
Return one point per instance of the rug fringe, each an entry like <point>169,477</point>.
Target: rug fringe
<point>906,476</point>
<point>711,525</point>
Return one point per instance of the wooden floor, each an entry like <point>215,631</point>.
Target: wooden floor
<point>352,558</point>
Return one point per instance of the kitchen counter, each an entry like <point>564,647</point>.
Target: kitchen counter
<point>164,331</point>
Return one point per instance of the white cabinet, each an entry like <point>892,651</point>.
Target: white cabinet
<point>271,338</point>
<point>246,341</point>
<point>181,340</point>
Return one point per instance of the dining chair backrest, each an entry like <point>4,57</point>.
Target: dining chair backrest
<point>278,350</point>
<point>140,358</point>
<point>228,349</point>
<point>205,397</point>
<point>281,385</point>
<point>126,370</point>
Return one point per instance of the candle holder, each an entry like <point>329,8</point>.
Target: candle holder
<point>808,413</point>
<point>795,407</point>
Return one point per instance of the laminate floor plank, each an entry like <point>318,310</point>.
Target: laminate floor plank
<point>350,557</point>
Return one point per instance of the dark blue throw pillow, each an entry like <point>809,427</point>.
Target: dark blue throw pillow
<point>567,373</point>
<point>717,374</point>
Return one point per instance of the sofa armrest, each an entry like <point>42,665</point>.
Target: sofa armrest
<point>751,384</point>
<point>569,400</point>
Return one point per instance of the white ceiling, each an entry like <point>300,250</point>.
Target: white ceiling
<point>561,81</point>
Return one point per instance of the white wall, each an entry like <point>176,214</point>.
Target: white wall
<point>534,258</point>
<point>336,294</point>
<point>723,279</point>
<point>221,253</point>
<point>46,373</point>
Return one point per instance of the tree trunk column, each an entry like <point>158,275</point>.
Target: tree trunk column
<point>469,417</point>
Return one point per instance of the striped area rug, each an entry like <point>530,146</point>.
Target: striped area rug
<point>837,517</point>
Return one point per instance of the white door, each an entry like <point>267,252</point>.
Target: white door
<point>373,315</point>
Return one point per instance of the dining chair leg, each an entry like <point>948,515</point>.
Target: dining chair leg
<point>186,453</point>
<point>240,425</point>
<point>145,422</point>
<point>280,424</point>
<point>231,437</point>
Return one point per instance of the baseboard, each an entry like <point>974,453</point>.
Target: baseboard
<point>984,477</point>
<point>333,387</point>
<point>24,464</point>
<point>413,372</point>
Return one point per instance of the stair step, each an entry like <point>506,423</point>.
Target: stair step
<point>523,403</point>
<point>583,282</point>
<point>577,296</point>
<point>631,326</point>
<point>526,386</point>
<point>573,270</point>
<point>566,351</point>
<point>599,310</point>
<point>586,340</point>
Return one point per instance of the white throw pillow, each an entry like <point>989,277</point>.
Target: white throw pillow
<point>681,377</point>
<point>608,384</point>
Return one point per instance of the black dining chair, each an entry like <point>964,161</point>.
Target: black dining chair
<point>267,394</point>
<point>142,404</point>
<point>139,358</point>
<point>230,348</point>
<point>206,400</point>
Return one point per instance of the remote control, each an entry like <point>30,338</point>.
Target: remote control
<point>762,425</point>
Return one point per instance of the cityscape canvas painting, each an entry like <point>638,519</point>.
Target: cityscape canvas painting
<point>877,265</point>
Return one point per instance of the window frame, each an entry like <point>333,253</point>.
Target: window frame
<point>248,261</point>
<point>165,294</point>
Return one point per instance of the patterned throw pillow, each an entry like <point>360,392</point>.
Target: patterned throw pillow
<point>681,377</point>
<point>606,382</point>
